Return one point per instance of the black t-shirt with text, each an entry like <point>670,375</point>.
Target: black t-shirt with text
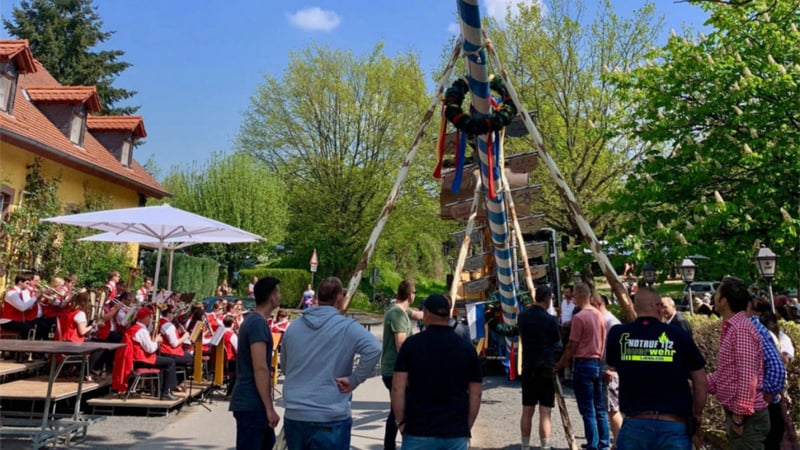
<point>653,360</point>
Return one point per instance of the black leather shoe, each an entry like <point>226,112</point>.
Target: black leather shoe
<point>168,396</point>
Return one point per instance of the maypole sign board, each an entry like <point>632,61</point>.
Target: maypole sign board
<point>314,261</point>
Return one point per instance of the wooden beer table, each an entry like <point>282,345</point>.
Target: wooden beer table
<point>46,430</point>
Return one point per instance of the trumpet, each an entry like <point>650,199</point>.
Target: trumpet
<point>49,294</point>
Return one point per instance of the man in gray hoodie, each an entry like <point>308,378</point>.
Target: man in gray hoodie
<point>317,358</point>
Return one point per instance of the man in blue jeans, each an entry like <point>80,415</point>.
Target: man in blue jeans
<point>586,345</point>
<point>654,361</point>
<point>317,356</point>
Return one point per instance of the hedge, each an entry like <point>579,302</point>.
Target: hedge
<point>706,331</point>
<point>189,273</point>
<point>293,282</point>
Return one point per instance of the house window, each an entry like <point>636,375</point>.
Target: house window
<point>125,156</point>
<point>6,200</point>
<point>6,92</point>
<point>76,130</point>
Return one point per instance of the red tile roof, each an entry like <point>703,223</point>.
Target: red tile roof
<point>20,52</point>
<point>74,94</point>
<point>132,124</point>
<point>29,129</point>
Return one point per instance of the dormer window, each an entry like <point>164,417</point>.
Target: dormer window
<point>15,59</point>
<point>117,134</point>
<point>66,107</point>
<point>77,127</point>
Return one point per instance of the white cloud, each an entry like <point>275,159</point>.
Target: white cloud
<point>315,19</point>
<point>454,28</point>
<point>497,8</point>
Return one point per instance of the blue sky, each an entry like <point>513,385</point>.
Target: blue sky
<point>196,63</point>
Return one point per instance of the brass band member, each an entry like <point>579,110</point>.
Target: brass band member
<point>145,349</point>
<point>144,292</point>
<point>21,308</point>
<point>173,339</point>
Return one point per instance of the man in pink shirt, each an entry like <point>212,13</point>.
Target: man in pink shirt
<point>587,345</point>
<point>740,369</point>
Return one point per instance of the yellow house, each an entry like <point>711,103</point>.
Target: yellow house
<point>90,154</point>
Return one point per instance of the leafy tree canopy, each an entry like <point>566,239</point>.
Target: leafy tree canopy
<point>62,35</point>
<point>556,59</point>
<point>336,127</point>
<point>237,190</point>
<point>717,116</point>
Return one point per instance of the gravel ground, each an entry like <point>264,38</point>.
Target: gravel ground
<point>497,426</point>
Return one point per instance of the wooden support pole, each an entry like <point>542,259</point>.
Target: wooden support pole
<point>401,176</point>
<point>564,190</point>
<point>512,211</point>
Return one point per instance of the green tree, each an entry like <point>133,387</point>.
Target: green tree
<point>337,127</point>
<point>718,118</point>
<point>237,190</point>
<point>27,242</point>
<point>62,35</point>
<point>556,59</point>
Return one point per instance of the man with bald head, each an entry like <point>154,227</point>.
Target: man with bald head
<point>654,361</point>
<point>672,316</point>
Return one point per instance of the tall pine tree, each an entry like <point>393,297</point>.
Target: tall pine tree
<point>62,34</point>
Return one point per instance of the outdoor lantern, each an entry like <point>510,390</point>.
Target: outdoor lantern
<point>765,260</point>
<point>687,269</point>
<point>577,278</point>
<point>649,273</point>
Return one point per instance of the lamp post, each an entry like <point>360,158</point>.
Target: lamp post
<point>687,269</point>
<point>765,260</point>
<point>649,274</point>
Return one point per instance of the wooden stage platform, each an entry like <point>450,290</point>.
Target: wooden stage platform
<point>36,389</point>
<point>10,367</point>
<point>112,404</point>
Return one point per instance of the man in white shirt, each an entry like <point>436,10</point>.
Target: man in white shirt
<point>145,291</point>
<point>144,352</point>
<point>21,308</point>
<point>172,344</point>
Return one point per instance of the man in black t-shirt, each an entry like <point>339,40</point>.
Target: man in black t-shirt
<point>436,386</point>
<point>541,342</point>
<point>655,361</point>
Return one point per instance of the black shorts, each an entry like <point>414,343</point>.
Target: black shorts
<point>538,387</point>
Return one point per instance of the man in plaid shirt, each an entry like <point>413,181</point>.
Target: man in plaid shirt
<point>739,378</point>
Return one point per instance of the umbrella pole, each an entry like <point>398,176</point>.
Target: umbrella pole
<point>155,277</point>
<point>169,272</point>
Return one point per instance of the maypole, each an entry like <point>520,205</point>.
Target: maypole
<point>491,178</point>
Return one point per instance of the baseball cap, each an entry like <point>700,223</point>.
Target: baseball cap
<point>437,304</point>
<point>143,312</point>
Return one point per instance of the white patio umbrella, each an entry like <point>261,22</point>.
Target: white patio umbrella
<point>158,225</point>
<point>170,244</point>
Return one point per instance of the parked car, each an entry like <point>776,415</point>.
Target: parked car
<point>249,303</point>
<point>699,289</point>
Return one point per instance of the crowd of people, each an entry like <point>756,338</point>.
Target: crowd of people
<point>644,383</point>
<point>118,314</point>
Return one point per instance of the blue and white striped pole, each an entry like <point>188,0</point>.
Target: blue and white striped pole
<point>478,79</point>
